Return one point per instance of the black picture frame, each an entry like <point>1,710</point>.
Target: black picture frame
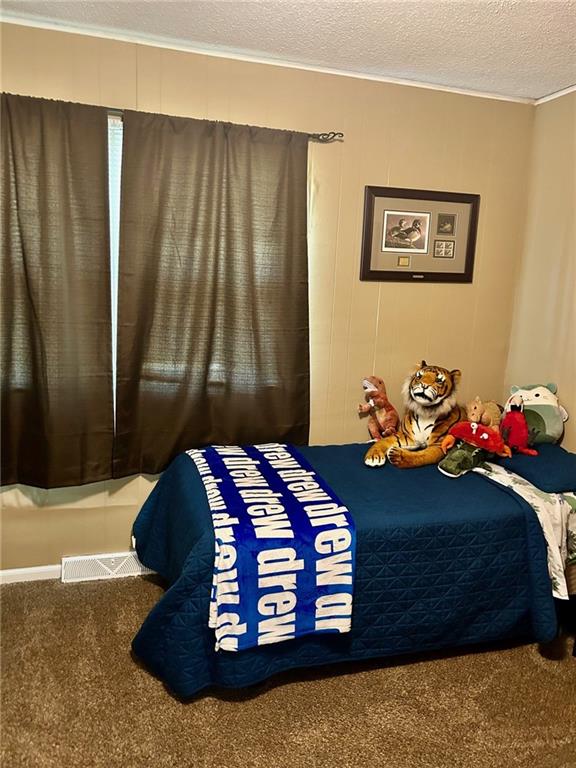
<point>401,227</point>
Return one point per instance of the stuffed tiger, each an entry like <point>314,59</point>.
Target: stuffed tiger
<point>431,409</point>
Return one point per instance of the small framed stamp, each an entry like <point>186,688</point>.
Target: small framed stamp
<point>446,224</point>
<point>444,249</point>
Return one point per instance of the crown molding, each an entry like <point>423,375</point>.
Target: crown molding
<point>176,45</point>
<point>555,95</point>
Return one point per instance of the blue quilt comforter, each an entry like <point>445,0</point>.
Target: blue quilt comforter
<point>440,563</point>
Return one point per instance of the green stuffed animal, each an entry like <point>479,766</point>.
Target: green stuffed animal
<point>544,414</point>
<point>468,445</point>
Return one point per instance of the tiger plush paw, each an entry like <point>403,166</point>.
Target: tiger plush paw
<point>399,457</point>
<point>376,454</point>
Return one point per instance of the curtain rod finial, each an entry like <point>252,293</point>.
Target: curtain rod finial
<point>325,138</point>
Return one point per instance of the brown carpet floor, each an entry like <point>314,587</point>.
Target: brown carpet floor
<point>73,696</point>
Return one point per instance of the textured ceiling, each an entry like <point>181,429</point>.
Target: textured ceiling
<point>513,48</point>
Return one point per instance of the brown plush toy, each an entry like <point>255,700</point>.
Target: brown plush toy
<point>488,414</point>
<point>383,417</point>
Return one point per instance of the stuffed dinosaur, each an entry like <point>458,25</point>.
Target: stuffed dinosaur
<point>544,414</point>
<point>383,417</point>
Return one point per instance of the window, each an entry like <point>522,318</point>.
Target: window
<point>115,137</point>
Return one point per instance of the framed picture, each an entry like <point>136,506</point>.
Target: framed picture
<point>405,230</point>
<point>414,235</point>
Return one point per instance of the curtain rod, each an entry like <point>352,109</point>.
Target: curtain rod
<point>323,138</point>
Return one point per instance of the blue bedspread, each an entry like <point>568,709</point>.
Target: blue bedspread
<point>440,563</point>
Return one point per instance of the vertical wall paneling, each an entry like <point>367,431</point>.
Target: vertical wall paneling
<point>394,136</point>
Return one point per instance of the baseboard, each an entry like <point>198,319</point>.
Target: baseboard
<point>36,573</point>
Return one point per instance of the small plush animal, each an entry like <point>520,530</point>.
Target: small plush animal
<point>431,409</point>
<point>544,414</point>
<point>469,445</point>
<point>487,413</point>
<point>383,417</point>
<point>514,427</point>
<point>486,438</point>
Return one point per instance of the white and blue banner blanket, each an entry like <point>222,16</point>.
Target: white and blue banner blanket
<point>285,546</point>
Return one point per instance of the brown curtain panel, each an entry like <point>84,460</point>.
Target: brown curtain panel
<point>213,289</point>
<point>57,418</point>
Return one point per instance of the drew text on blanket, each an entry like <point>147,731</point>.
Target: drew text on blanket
<point>280,570</point>
<point>331,611</point>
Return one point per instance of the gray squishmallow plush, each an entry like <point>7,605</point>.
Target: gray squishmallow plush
<point>544,414</point>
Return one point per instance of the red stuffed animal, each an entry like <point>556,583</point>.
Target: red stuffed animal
<point>486,438</point>
<point>514,428</point>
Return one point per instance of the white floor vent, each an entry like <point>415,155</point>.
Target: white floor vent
<point>109,566</point>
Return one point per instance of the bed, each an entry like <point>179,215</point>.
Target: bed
<point>440,564</point>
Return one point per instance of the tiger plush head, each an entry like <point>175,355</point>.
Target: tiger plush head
<point>431,390</point>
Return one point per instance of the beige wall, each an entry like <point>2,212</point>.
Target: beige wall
<point>543,340</point>
<point>394,136</point>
